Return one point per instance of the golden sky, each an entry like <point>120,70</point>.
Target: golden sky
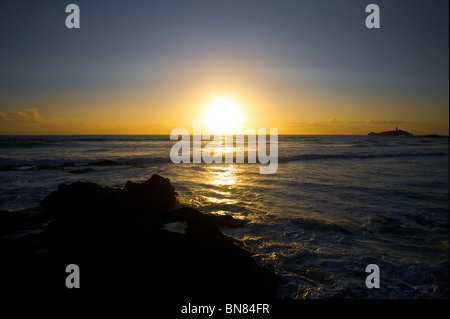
<point>301,68</point>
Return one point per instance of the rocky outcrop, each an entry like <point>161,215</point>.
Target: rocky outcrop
<point>392,133</point>
<point>132,240</point>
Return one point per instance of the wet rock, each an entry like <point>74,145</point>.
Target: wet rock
<point>120,240</point>
<point>226,221</point>
<point>78,199</point>
<point>157,193</point>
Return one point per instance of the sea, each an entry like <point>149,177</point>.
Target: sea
<point>335,205</point>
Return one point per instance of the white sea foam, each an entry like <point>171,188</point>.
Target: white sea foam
<point>176,227</point>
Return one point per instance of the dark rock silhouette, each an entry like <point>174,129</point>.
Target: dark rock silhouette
<point>129,240</point>
<point>397,132</point>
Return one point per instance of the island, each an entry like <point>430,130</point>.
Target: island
<point>397,132</point>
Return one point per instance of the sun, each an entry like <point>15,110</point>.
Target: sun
<point>223,116</point>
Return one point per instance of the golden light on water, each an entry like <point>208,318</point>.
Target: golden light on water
<point>214,200</point>
<point>223,116</point>
<point>223,176</point>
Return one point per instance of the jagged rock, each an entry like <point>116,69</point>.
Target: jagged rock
<point>78,199</point>
<point>226,221</point>
<point>119,240</point>
<point>157,193</point>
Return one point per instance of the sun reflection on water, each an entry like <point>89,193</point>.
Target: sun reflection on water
<point>215,200</point>
<point>223,175</point>
<point>221,196</point>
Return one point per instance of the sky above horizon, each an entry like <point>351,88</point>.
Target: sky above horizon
<point>147,67</point>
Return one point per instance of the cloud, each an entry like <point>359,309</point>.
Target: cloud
<point>28,116</point>
<point>382,122</point>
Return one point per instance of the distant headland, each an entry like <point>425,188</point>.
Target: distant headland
<point>398,132</point>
